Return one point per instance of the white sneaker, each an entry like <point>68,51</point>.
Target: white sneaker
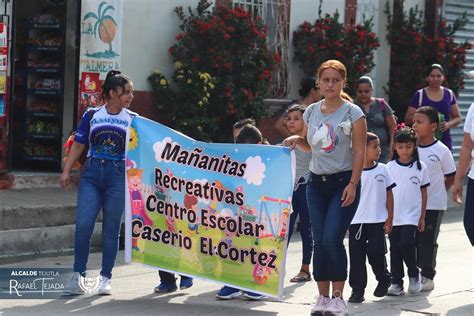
<point>415,285</point>
<point>427,284</point>
<point>395,290</point>
<point>104,286</point>
<point>74,287</point>
<point>320,306</point>
<point>337,306</point>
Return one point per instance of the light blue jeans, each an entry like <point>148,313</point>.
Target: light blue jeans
<point>102,186</point>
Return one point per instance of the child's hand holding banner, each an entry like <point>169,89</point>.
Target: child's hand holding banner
<point>214,211</point>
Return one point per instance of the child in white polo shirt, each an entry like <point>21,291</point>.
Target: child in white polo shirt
<point>409,197</point>
<point>373,219</point>
<point>441,168</point>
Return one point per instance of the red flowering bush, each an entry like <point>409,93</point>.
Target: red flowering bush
<point>327,38</point>
<point>229,46</point>
<point>412,51</point>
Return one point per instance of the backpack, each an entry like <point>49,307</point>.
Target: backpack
<point>68,144</point>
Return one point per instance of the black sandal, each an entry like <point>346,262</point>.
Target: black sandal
<point>299,279</point>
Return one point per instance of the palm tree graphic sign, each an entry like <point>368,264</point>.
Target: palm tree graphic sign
<point>106,27</point>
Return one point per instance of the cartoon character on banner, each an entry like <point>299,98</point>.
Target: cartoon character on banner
<point>163,194</point>
<point>227,213</point>
<point>190,202</point>
<point>261,273</point>
<point>134,176</point>
<point>285,214</point>
<point>213,205</point>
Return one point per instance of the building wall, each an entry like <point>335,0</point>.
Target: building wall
<point>306,10</point>
<point>145,45</point>
<point>149,30</point>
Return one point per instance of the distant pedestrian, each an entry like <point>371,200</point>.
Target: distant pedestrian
<point>466,156</point>
<point>309,92</point>
<point>102,184</point>
<point>441,169</point>
<point>409,197</point>
<point>373,219</point>
<point>379,115</point>
<point>440,98</point>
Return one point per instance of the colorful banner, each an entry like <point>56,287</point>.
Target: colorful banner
<point>101,33</point>
<point>213,211</point>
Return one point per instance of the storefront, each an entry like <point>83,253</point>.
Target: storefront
<point>40,106</point>
<point>60,51</point>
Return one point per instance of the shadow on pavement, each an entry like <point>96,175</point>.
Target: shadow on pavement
<point>462,310</point>
<point>152,304</point>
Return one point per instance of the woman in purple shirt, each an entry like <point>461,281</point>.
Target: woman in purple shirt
<point>440,98</point>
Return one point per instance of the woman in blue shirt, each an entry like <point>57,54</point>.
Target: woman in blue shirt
<point>102,184</point>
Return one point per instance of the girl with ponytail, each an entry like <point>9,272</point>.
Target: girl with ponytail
<point>409,196</point>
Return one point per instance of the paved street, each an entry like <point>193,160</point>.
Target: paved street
<point>133,289</point>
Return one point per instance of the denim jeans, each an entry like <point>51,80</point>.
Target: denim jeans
<point>329,222</point>
<point>469,211</point>
<point>300,207</point>
<point>102,186</point>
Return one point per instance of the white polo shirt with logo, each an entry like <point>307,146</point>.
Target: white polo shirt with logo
<point>440,163</point>
<point>407,193</point>
<point>375,181</point>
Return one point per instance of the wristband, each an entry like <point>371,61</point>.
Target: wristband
<point>355,184</point>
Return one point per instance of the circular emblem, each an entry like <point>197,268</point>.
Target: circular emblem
<point>90,283</point>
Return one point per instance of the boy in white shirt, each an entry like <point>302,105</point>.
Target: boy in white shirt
<point>441,168</point>
<point>373,219</point>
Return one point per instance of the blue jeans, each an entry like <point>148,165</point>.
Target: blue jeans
<point>469,211</point>
<point>329,222</point>
<point>300,207</point>
<point>102,186</point>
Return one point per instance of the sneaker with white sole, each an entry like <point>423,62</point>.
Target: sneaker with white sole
<point>104,286</point>
<point>228,293</point>
<point>427,284</point>
<point>336,306</point>
<point>415,285</point>
<point>395,290</point>
<point>74,285</point>
<point>320,306</point>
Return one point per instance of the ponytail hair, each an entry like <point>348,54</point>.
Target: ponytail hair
<point>346,97</point>
<point>406,134</point>
<point>113,80</point>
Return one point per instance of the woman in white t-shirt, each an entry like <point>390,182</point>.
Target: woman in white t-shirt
<point>465,157</point>
<point>336,136</point>
<point>409,196</point>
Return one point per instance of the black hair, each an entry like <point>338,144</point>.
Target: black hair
<point>434,66</point>
<point>406,134</point>
<point>243,122</point>
<point>113,80</point>
<point>307,84</point>
<point>430,112</point>
<point>249,134</point>
<point>295,107</point>
<point>364,79</point>
<point>371,136</point>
